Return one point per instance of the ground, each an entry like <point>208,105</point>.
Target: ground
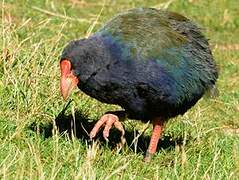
<point>34,144</point>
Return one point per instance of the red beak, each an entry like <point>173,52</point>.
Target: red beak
<point>68,80</point>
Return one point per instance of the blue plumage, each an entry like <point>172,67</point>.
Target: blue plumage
<point>152,63</point>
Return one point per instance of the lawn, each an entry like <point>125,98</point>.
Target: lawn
<point>43,137</point>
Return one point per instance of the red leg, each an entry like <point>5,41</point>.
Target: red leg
<point>157,130</point>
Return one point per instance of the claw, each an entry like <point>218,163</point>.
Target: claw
<point>108,120</point>
<point>111,119</point>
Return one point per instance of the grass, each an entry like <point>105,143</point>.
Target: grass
<point>202,144</point>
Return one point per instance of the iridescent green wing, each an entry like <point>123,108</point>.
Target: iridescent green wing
<point>148,33</point>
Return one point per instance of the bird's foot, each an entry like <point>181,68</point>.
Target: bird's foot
<point>148,157</point>
<point>108,120</point>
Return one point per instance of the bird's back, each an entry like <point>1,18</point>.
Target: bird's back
<point>150,31</point>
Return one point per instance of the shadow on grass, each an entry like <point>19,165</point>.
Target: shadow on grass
<point>82,126</point>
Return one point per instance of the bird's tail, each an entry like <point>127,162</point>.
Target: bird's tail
<point>212,92</point>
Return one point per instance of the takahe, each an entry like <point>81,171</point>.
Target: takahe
<point>154,63</point>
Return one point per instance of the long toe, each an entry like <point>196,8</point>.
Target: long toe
<point>98,125</point>
<point>148,157</point>
<point>118,125</point>
<point>108,120</point>
<point>111,119</point>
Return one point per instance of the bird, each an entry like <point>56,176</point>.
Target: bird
<point>155,64</point>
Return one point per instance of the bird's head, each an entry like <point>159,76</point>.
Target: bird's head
<point>80,59</point>
<point>71,59</point>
